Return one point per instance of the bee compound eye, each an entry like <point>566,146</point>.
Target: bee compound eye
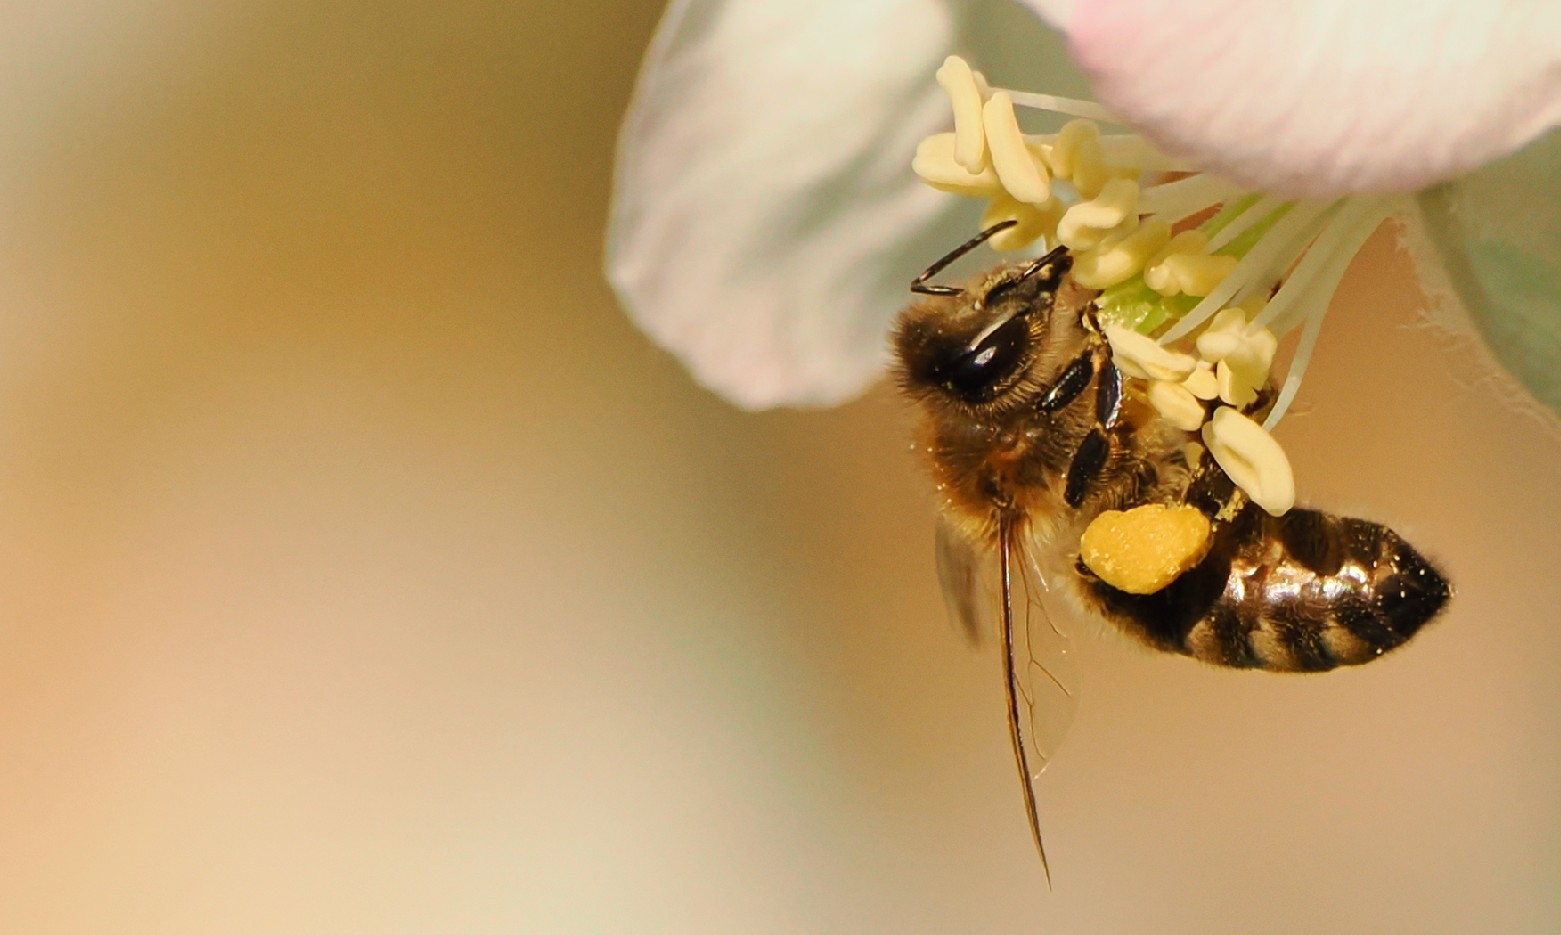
<point>977,374</point>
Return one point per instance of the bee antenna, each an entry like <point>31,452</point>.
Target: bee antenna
<point>920,286</point>
<point>1058,256</point>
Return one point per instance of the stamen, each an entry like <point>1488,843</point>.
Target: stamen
<point>1086,223</point>
<point>1065,146</point>
<point>1119,260</point>
<point>1186,196</point>
<point>935,163</point>
<point>1139,355</point>
<point>1314,297</point>
<point>1177,404</point>
<point>1259,210</point>
<point>1255,354</point>
<point>1031,222</point>
<point>1223,335</point>
<point>1202,383</point>
<point>1022,174</point>
<point>1252,459</point>
<point>1068,106</point>
<point>1090,172</point>
<point>960,82</point>
<point>1130,151</point>
<point>1242,355</point>
<point>1298,363</point>
<point>1235,386</point>
<point>1183,268</point>
<point>1124,152</point>
<point>1327,258</point>
<point>1286,237</point>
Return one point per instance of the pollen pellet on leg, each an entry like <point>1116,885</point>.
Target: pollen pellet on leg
<point>965,95</point>
<point>1142,550</point>
<point>1022,174</point>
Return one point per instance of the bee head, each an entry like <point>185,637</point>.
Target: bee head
<point>976,343</point>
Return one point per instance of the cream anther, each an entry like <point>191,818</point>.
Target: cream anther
<point>1236,387</point>
<point>1032,222</point>
<point>1086,223</point>
<point>1255,353</point>
<point>1223,335</point>
<point>1189,274</point>
<point>1202,383</point>
<point>935,164</point>
<point>1022,174</point>
<point>1189,241</point>
<point>965,95</point>
<point>1139,355</point>
<point>1183,268</point>
<point>1242,355</point>
<point>1118,259</point>
<point>1177,404</point>
<point>1090,171</point>
<point>1242,375</point>
<point>1067,142</point>
<point>1252,458</point>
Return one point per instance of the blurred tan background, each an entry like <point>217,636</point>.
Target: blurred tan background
<point>362,570</point>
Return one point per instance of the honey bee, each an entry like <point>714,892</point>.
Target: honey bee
<point>1029,435</point>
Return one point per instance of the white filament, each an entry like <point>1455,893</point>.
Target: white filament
<point>1286,238</point>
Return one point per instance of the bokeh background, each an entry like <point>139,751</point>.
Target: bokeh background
<point>363,571</point>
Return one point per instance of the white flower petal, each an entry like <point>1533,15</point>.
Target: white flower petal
<point>765,222</point>
<point>1496,237</point>
<point>1327,96</point>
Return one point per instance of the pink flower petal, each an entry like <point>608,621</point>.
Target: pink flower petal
<point>1327,96</point>
<point>765,223</point>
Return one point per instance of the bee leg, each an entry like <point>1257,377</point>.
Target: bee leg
<point>1087,462</point>
<point>1074,378</point>
<point>1096,447</point>
<point>1108,391</point>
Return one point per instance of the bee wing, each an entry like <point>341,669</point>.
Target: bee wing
<point>968,575</point>
<point>1043,672</point>
<point>1003,590</point>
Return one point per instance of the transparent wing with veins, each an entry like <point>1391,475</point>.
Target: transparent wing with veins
<point>1001,591</point>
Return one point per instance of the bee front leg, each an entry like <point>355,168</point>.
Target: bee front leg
<point>1070,383</point>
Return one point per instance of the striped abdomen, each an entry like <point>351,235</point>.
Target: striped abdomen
<point>1303,592</point>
